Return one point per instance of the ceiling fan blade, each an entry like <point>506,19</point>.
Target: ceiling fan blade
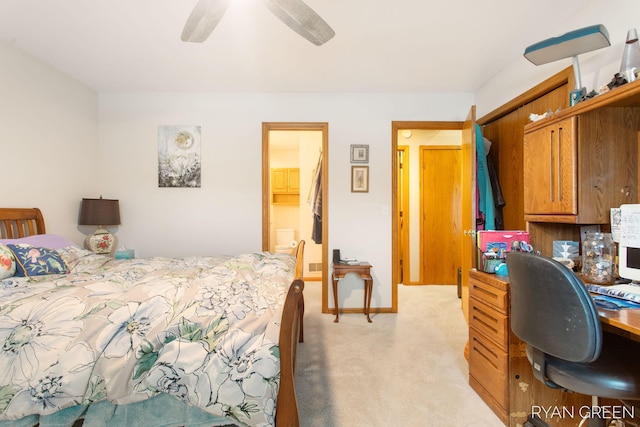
<point>302,19</point>
<point>203,19</point>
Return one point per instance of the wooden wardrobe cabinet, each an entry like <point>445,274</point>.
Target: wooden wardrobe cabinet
<point>550,165</point>
<point>578,166</point>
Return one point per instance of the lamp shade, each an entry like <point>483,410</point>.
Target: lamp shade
<point>99,212</point>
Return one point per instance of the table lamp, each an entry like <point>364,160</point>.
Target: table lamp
<point>100,212</point>
<point>569,45</point>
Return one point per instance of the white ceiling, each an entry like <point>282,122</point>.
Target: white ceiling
<point>380,45</point>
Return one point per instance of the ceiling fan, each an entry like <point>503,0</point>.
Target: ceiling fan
<point>295,13</point>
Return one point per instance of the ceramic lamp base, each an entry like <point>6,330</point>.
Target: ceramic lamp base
<point>100,242</point>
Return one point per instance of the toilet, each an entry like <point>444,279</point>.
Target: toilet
<point>285,240</point>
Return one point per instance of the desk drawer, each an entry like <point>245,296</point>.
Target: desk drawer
<point>489,366</point>
<point>489,294</point>
<point>491,323</point>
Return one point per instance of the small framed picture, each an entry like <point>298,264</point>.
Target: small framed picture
<point>359,179</point>
<point>359,153</point>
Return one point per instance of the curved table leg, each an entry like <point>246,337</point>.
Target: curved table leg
<point>334,282</point>
<point>368,290</point>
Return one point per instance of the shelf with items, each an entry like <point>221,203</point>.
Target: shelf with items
<point>626,96</point>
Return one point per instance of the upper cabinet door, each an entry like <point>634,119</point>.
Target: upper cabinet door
<point>550,169</point>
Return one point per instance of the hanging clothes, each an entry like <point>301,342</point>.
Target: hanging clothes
<point>498,198</point>
<point>315,199</point>
<point>486,206</point>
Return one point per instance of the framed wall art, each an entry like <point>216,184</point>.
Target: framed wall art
<point>359,179</point>
<point>179,156</point>
<point>359,153</point>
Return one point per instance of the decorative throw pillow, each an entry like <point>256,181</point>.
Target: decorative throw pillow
<point>7,262</point>
<point>36,261</point>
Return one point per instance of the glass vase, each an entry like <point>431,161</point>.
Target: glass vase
<point>598,259</point>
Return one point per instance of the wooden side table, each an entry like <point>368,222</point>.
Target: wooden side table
<point>364,270</point>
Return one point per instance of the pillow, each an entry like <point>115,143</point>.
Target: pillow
<point>71,254</point>
<point>51,241</point>
<point>7,262</point>
<point>36,261</point>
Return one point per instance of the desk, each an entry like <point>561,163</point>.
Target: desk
<point>498,363</point>
<point>626,320</point>
<point>364,270</point>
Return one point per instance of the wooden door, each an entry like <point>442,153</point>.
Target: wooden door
<point>468,208</point>
<point>402,214</point>
<point>440,207</point>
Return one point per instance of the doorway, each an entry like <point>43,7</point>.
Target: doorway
<point>440,213</point>
<point>292,156</point>
<point>416,190</point>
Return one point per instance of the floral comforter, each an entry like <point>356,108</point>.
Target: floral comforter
<point>202,329</point>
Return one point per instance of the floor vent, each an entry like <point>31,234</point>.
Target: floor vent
<point>315,266</point>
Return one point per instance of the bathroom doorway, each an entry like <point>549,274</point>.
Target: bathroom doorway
<point>294,161</point>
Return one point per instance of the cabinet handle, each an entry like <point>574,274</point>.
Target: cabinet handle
<point>555,158</point>
<point>560,132</point>
<point>551,166</point>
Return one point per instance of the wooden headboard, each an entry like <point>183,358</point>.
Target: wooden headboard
<point>21,222</point>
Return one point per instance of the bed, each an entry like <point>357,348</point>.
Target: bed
<point>193,341</point>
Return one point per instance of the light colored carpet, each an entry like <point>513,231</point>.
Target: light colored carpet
<point>405,369</point>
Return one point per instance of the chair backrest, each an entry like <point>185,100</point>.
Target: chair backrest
<point>551,309</point>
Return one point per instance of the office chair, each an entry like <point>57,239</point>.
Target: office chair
<point>554,314</point>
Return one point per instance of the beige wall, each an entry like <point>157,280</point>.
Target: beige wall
<point>48,142</point>
<point>224,215</point>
